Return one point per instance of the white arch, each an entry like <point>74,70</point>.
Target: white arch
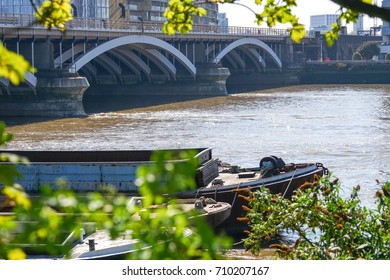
<point>160,57</point>
<point>68,54</point>
<point>30,79</point>
<point>132,39</point>
<point>138,61</point>
<point>128,63</point>
<point>256,57</point>
<point>90,71</point>
<point>111,67</point>
<point>5,83</point>
<point>249,41</point>
<point>237,58</point>
<point>165,67</point>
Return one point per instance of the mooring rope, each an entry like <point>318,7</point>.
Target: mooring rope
<point>235,195</point>
<point>289,183</point>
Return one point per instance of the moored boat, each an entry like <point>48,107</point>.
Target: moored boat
<point>99,245</point>
<point>94,244</point>
<point>88,170</point>
<point>272,173</point>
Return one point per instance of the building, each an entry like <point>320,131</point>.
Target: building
<point>17,7</point>
<point>153,10</point>
<point>385,46</point>
<point>91,8</point>
<point>386,25</point>
<point>358,26</point>
<point>323,23</point>
<point>147,10</point>
<point>223,21</point>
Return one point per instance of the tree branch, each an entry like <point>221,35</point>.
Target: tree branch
<point>364,8</point>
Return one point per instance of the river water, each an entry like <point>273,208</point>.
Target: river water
<point>347,128</point>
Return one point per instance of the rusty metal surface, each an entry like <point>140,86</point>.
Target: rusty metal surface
<point>88,170</point>
<point>97,156</point>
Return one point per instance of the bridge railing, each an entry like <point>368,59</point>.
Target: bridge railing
<point>29,21</point>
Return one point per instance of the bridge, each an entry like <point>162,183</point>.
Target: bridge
<point>122,54</point>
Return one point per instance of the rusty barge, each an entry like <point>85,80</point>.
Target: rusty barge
<point>87,171</point>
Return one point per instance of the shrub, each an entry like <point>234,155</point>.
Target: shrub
<point>325,225</point>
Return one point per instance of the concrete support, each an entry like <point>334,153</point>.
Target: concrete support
<point>58,94</point>
<point>199,53</point>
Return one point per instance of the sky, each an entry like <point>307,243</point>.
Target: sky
<point>241,16</point>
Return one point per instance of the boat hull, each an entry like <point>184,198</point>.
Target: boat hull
<point>86,171</point>
<point>284,184</point>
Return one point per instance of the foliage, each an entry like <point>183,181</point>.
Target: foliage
<point>58,211</point>
<point>356,56</point>
<point>13,66</point>
<point>325,225</point>
<point>179,15</point>
<point>8,171</point>
<point>387,57</point>
<point>273,12</point>
<point>368,50</point>
<point>155,183</point>
<point>54,13</point>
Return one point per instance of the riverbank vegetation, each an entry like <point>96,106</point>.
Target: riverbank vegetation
<point>320,222</point>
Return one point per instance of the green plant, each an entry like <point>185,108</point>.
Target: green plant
<point>61,210</point>
<point>341,66</point>
<point>356,56</point>
<point>326,225</point>
<point>387,57</point>
<point>155,183</point>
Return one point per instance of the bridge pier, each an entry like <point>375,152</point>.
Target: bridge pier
<point>57,94</point>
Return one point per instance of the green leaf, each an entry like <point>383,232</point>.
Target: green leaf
<point>55,13</point>
<point>13,66</point>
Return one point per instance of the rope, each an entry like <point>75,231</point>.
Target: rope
<point>238,243</point>
<point>235,195</point>
<point>289,183</point>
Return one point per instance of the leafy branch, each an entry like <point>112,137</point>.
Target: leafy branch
<point>326,225</point>
<point>272,12</point>
<point>59,210</point>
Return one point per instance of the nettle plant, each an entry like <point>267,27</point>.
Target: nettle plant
<point>321,223</point>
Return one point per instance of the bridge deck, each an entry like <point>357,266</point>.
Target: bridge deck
<point>90,29</point>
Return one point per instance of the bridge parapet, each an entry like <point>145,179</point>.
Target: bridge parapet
<point>27,23</point>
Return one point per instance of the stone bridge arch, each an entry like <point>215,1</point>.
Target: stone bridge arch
<point>149,45</point>
<point>250,42</point>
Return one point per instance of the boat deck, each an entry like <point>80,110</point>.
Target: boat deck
<point>233,179</point>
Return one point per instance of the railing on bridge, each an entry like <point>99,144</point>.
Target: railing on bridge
<point>29,21</point>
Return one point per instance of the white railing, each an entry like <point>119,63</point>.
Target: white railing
<point>12,20</point>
